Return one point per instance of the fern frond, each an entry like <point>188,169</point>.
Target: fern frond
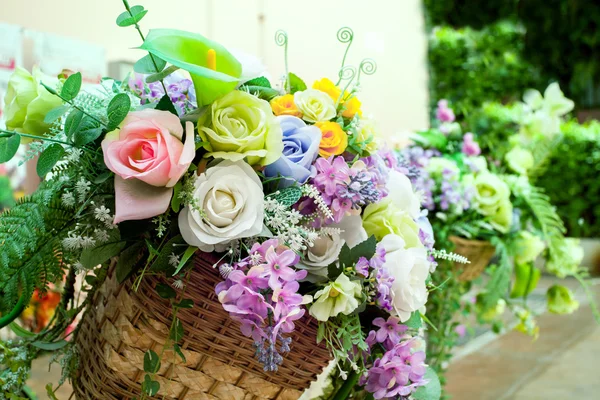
<point>30,243</point>
<point>542,150</point>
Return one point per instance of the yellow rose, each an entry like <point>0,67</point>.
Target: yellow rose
<point>333,140</point>
<point>284,105</point>
<point>351,105</point>
<point>366,135</point>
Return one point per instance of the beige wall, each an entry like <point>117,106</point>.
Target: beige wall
<point>390,31</point>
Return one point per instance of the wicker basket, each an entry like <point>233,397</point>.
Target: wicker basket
<point>220,362</point>
<point>478,252</point>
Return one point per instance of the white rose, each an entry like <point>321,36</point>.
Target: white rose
<point>410,268</point>
<point>403,195</point>
<point>315,105</point>
<point>231,197</point>
<point>326,248</point>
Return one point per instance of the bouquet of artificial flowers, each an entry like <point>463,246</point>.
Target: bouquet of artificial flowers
<point>199,171</point>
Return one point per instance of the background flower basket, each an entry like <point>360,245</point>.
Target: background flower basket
<point>219,361</point>
<point>478,252</point>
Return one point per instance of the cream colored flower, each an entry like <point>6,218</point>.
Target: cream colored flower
<point>337,297</point>
<point>316,106</point>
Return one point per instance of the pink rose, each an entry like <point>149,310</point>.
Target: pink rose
<point>148,157</point>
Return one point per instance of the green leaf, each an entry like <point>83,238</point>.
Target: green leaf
<point>177,349</point>
<point>189,51</point>
<point>288,196</point>
<point>103,177</point>
<point>151,362</point>
<point>185,303</point>
<point>118,108</point>
<point>50,392</point>
<point>91,258</point>
<point>345,257</point>
<point>189,252</point>
<point>432,390</point>
<point>9,147</point>
<point>21,332</point>
<point>264,93</point>
<point>176,200</point>
<point>71,87</point>
<point>50,346</point>
<point>73,122</point>
<point>49,158</point>
<point>127,19</point>
<point>432,138</point>
<point>149,386</point>
<point>349,257</point>
<point>159,76</point>
<point>296,84</point>
<point>165,104</point>
<point>320,332</point>
<point>146,65</point>
<point>415,321</point>
<point>177,332</point>
<point>87,134</point>
<point>173,246</point>
<point>56,113</point>
<point>128,260</point>
<point>260,81</point>
<point>165,291</point>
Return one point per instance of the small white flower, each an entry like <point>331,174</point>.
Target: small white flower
<point>71,242</point>
<point>78,267</point>
<point>173,260</point>
<point>87,242</point>
<point>101,235</point>
<point>74,155</point>
<point>102,214</point>
<point>178,284</point>
<point>255,258</point>
<point>82,187</point>
<point>67,199</point>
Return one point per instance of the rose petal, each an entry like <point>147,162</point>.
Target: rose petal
<point>135,200</point>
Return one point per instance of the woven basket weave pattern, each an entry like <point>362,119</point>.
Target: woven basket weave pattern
<point>220,362</point>
<point>478,252</point>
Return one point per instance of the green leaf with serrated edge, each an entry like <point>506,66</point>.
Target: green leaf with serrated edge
<point>364,249</point>
<point>71,87</point>
<point>177,349</point>
<point>21,332</point>
<point>165,291</point>
<point>128,260</point>
<point>151,362</point>
<point>9,147</point>
<point>165,104</point>
<point>117,110</point>
<point>49,158</point>
<point>50,346</point>
<point>162,74</point>
<point>145,65</point>
<point>296,84</point>
<point>73,122</point>
<point>185,303</point>
<point>414,322</point>
<point>334,270</point>
<point>189,51</point>
<point>260,81</point>
<point>189,252</point>
<point>345,257</point>
<point>432,390</point>
<point>93,257</point>
<point>288,196</point>
<point>177,331</point>
<point>176,200</point>
<point>127,19</point>
<point>56,113</point>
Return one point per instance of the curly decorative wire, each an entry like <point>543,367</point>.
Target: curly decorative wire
<point>346,73</point>
<point>281,39</point>
<point>345,35</point>
<point>368,66</point>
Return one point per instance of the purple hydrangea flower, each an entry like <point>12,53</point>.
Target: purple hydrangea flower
<point>389,334</point>
<point>443,112</point>
<point>470,147</point>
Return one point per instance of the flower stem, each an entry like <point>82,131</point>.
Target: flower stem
<point>70,102</point>
<point>47,139</point>
<point>344,391</point>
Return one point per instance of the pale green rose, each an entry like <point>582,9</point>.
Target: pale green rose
<point>502,219</point>
<point>560,300</point>
<point>28,102</point>
<point>528,247</point>
<point>316,106</point>
<point>567,259</point>
<point>519,160</point>
<point>337,297</point>
<point>490,193</point>
<point>437,165</point>
<point>478,164</point>
<point>384,218</point>
<point>241,126</point>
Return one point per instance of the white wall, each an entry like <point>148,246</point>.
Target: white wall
<point>390,31</point>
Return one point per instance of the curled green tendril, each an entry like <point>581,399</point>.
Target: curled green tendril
<point>347,73</point>
<point>368,66</point>
<point>281,39</point>
<point>345,35</point>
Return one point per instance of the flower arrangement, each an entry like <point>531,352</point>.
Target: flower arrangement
<point>310,215</point>
<point>476,200</point>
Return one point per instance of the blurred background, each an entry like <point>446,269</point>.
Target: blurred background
<point>467,51</point>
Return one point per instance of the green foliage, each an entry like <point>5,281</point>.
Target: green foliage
<point>288,196</point>
<point>149,64</point>
<point>71,87</point>
<point>469,67</point>
<point>159,76</point>
<point>132,16</point>
<point>474,13</point>
<point>8,147</point>
<point>571,178</point>
<point>49,158</point>
<point>296,84</point>
<point>117,110</point>
<point>431,391</point>
<point>31,234</point>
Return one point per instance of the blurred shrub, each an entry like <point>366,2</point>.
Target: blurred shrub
<point>571,179</point>
<point>474,13</point>
<point>469,67</point>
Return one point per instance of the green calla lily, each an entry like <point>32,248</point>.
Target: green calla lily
<point>214,71</point>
